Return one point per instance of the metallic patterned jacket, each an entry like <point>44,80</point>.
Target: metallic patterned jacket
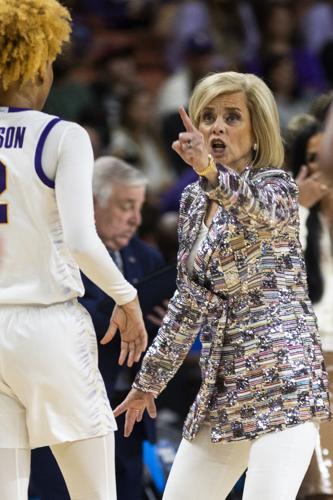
<point>261,359</point>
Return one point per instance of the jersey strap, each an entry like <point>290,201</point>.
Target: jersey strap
<point>39,151</point>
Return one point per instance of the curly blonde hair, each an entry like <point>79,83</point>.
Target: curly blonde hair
<point>32,33</point>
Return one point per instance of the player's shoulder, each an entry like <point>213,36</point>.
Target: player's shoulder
<point>62,131</point>
<point>61,123</point>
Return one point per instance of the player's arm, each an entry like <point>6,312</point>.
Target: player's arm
<point>73,187</point>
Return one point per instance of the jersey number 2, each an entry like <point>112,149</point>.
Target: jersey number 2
<point>3,187</point>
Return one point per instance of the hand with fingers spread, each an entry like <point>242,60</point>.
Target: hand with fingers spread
<point>192,148</point>
<point>311,187</point>
<point>129,321</point>
<point>134,405</point>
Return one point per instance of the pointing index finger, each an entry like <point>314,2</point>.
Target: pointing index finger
<point>186,120</point>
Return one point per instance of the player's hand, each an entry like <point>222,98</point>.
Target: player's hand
<point>129,321</point>
<point>311,187</point>
<point>135,403</point>
<point>190,145</point>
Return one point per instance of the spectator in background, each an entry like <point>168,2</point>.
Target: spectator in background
<point>176,90</point>
<point>71,92</point>
<point>94,121</point>
<point>316,234</point>
<point>116,78</point>
<point>137,141</point>
<point>118,14</point>
<point>320,106</point>
<point>297,123</point>
<point>326,148</point>
<point>119,193</point>
<point>185,21</point>
<point>317,25</point>
<point>231,25</point>
<point>279,73</point>
<point>326,58</point>
<point>280,36</point>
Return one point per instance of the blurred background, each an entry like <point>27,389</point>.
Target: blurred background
<point>132,63</point>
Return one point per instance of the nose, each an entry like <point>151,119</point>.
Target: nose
<point>219,126</point>
<point>136,218</point>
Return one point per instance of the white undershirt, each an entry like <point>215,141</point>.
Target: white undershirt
<point>194,252</point>
<point>68,160</point>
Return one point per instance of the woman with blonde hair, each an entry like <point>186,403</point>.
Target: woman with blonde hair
<point>51,392</point>
<point>241,286</point>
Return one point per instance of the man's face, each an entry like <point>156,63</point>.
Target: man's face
<point>118,220</point>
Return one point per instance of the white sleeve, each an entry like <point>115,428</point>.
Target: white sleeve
<point>73,189</point>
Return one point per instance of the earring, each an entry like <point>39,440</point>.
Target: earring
<point>255,146</point>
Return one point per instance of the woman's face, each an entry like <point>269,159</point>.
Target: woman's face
<point>312,149</point>
<point>226,126</point>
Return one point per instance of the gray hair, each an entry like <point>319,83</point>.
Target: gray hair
<point>110,170</point>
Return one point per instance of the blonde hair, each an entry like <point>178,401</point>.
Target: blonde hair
<point>31,36</point>
<point>261,105</point>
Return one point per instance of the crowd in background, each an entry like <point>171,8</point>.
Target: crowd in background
<point>132,63</point>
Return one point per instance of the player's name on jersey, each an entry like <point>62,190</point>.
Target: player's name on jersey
<point>12,137</point>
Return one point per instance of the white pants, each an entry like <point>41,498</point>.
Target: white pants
<point>51,390</point>
<point>276,464</point>
<point>87,466</point>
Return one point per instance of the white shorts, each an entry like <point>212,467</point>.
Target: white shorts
<point>51,390</point>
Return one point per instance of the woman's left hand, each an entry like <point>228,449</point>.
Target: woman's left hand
<point>135,403</point>
<point>190,145</point>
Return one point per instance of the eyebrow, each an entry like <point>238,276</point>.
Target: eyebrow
<point>228,108</point>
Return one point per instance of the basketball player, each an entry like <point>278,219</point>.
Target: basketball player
<point>51,392</point>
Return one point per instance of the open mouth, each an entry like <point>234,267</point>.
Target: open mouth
<point>217,146</point>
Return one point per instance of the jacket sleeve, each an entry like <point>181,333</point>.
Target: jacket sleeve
<point>181,323</point>
<point>73,191</point>
<point>180,327</point>
<point>269,199</point>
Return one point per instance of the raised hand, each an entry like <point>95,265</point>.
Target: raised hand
<point>190,144</point>
<point>134,405</point>
<point>311,187</point>
<point>129,321</point>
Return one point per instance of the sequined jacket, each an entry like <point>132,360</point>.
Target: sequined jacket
<point>261,359</point>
